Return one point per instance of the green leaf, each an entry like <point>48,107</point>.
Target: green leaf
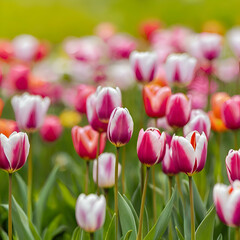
<point>133,210</point>
<point>49,234</point>
<point>160,227</point>
<point>206,227</point>
<point>111,229</point>
<point>145,222</point>
<point>3,235</point>
<point>126,218</point>
<point>23,190</point>
<point>43,196</point>
<point>67,195</point>
<point>180,236</point>
<point>220,237</point>
<point>34,231</point>
<point>76,234</point>
<point>128,234</point>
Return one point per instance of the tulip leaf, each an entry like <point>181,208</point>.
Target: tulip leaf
<point>111,229</point>
<point>128,234</point>
<point>220,237</point>
<point>50,231</point>
<point>160,227</point>
<point>67,195</point>
<point>43,196</point>
<point>23,190</point>
<point>180,236</point>
<point>76,234</point>
<point>206,227</point>
<point>3,235</point>
<point>133,210</point>
<point>34,231</point>
<point>126,218</point>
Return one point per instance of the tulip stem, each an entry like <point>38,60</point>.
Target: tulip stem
<point>91,236</point>
<point>237,235</point>
<point>10,207</point>
<point>30,173</point>
<point>170,229</point>
<point>236,139</point>
<point>86,177</point>
<point>97,156</point>
<point>123,169</point>
<point>192,208</point>
<point>180,189</point>
<point>116,193</point>
<point>170,180</point>
<point>154,194</point>
<point>139,236</point>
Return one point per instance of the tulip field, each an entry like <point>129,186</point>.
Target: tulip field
<point>113,136</point>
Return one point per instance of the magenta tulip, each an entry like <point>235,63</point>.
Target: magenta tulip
<point>233,165</point>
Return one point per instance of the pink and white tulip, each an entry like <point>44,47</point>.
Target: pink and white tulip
<point>106,170</point>
<point>233,165</point>
<point>90,211</point>
<point>233,37</point>
<point>13,151</point>
<point>190,153</point>
<point>151,146</point>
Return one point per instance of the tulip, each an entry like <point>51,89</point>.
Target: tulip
<point>106,170</point>
<point>92,116</point>
<point>6,50</point>
<point>1,106</point>
<point>155,100</point>
<point>217,124</point>
<point>151,146</point>
<point>108,98</point>
<point>105,30</point>
<point>69,118</point>
<point>180,68</point>
<point>231,112</point>
<point>7,127</point>
<point>51,129</point>
<point>90,212</point>
<point>178,110</point>
<point>199,121</point>
<point>83,92</point>
<point>144,65</point>
<point>120,127</point>
<point>30,111</point>
<point>233,37</point>
<point>217,101</point>
<point>226,200</point>
<point>148,27</point>
<point>233,165</point>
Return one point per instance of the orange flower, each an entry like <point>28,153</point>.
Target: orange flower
<point>216,123</point>
<point>1,106</point>
<point>7,127</point>
<point>217,101</point>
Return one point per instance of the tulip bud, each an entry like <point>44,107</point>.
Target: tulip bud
<point>190,153</point>
<point>83,92</point>
<point>199,121</point>
<point>14,151</point>
<point>233,165</point>
<point>108,98</point>
<point>51,129</point>
<point>144,65</point>
<point>178,110</point>
<point>155,100</point>
<point>30,111</point>
<point>7,127</point>
<point>85,141</point>
<point>106,170</point>
<point>120,127</point>
<point>151,146</point>
<point>226,200</point>
<point>231,112</point>
<point>180,68</point>
<point>90,211</point>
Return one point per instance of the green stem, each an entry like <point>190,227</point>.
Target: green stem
<point>180,189</point>
<point>30,173</point>
<point>86,177</point>
<point>218,157</point>
<point>106,193</point>
<point>123,169</point>
<point>170,229</point>
<point>91,235</point>
<point>97,156</point>
<point>139,236</point>
<point>236,139</point>
<point>237,235</point>
<point>192,209</point>
<point>116,192</point>
<point>170,179</point>
<point>10,207</point>
<point>154,194</point>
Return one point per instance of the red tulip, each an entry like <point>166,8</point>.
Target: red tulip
<point>233,165</point>
<point>7,127</point>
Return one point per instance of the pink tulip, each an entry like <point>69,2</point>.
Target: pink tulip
<point>106,170</point>
<point>144,65</point>
<point>120,127</point>
<point>227,203</point>
<point>13,151</point>
<point>6,50</point>
<point>151,146</point>
<point>178,110</point>
<point>108,98</point>
<point>80,101</point>
<point>233,37</point>
<point>90,211</point>
<point>30,111</point>
<point>51,129</point>
<point>231,112</point>
<point>180,68</point>
<point>92,116</point>
<point>199,121</point>
<point>189,153</point>
<point>233,165</point>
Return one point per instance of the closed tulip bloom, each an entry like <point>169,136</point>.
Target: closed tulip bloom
<point>144,65</point>
<point>92,116</point>
<point>155,100</point>
<point>120,127</point>
<point>1,106</point>
<point>83,92</point>
<point>217,124</point>
<point>178,110</point>
<point>51,129</point>
<point>233,37</point>
<point>85,141</point>
<point>169,166</point>
<point>13,151</point>
<point>90,211</point>
<point>151,146</point>
<point>106,170</point>
<point>199,121</point>
<point>231,112</point>
<point>108,98</point>
<point>30,111</point>
<point>180,68</point>
<point>190,153</point>
<point>7,127</point>
<point>233,165</point>
<point>6,50</point>
<point>227,200</point>
<point>217,101</point>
